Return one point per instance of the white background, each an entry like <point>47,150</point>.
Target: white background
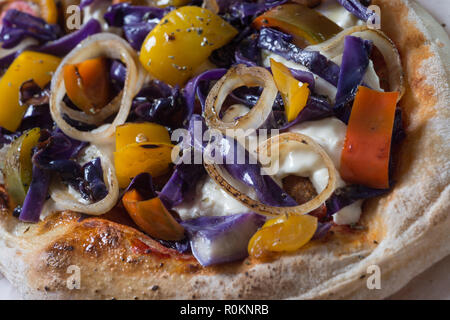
<point>433,283</point>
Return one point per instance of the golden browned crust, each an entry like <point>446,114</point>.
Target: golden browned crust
<point>405,231</point>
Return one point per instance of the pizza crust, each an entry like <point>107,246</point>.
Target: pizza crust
<point>407,230</point>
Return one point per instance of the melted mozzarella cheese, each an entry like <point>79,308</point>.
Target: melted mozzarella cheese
<point>330,134</point>
<point>209,200</point>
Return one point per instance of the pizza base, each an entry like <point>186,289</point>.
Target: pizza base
<point>406,230</point>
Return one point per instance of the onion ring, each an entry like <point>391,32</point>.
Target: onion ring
<point>98,118</point>
<point>66,201</point>
<point>236,77</point>
<point>271,211</point>
<point>102,44</point>
<point>335,46</point>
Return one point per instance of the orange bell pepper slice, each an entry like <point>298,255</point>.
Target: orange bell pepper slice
<point>87,84</point>
<point>306,25</point>
<point>152,217</point>
<point>366,151</point>
<point>294,93</point>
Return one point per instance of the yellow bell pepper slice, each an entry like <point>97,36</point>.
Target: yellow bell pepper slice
<point>306,25</point>
<point>137,158</point>
<point>294,93</point>
<point>18,166</point>
<point>130,133</point>
<point>28,65</point>
<point>282,234</point>
<point>182,42</point>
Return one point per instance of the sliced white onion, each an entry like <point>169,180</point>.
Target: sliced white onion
<point>236,77</point>
<point>99,45</point>
<point>67,201</point>
<point>98,118</point>
<point>215,173</point>
<point>335,46</point>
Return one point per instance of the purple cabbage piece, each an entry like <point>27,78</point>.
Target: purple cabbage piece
<point>247,52</point>
<point>169,111</point>
<point>118,74</point>
<point>316,108</point>
<point>304,76</point>
<point>18,25</point>
<point>347,195</point>
<point>216,240</point>
<point>356,8</point>
<point>322,230</point>
<point>6,137</point>
<point>65,44</point>
<point>187,173</point>
<point>192,88</point>
<point>8,59</point>
<point>243,9</point>
<point>182,246</point>
<point>143,184</point>
<point>85,3</point>
<point>278,43</point>
<point>94,185</point>
<point>355,60</point>
<point>246,169</point>
<point>136,21</point>
<point>36,195</point>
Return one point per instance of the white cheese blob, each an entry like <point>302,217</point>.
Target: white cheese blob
<point>209,200</point>
<point>330,134</point>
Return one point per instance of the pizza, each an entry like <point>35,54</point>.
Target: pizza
<point>222,150</point>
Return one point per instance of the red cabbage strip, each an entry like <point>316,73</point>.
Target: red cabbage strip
<point>267,190</point>
<point>356,8</point>
<point>186,174</point>
<point>36,195</point>
<point>94,185</point>
<point>243,9</point>
<point>316,108</point>
<point>136,21</point>
<point>304,76</point>
<point>143,184</point>
<point>246,170</point>
<point>355,60</point>
<point>347,195</point>
<point>85,3</point>
<point>192,88</point>
<point>278,43</point>
<point>65,44</point>
<point>59,47</point>
<point>213,239</point>
<point>18,25</point>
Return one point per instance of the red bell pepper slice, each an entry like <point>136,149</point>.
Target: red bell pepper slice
<point>366,152</point>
